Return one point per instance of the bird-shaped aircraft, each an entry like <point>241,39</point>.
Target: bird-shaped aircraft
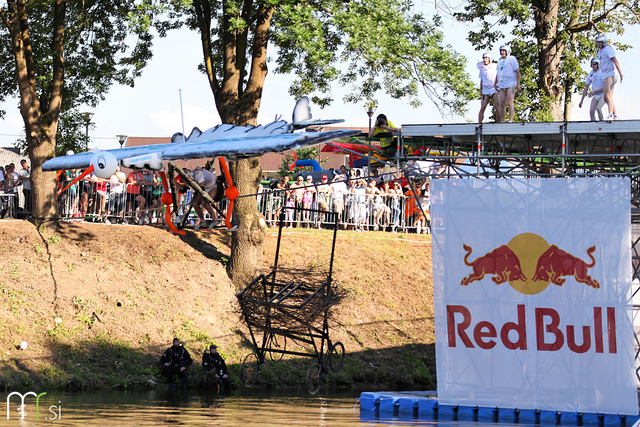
<point>224,141</point>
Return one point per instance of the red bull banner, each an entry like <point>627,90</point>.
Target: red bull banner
<point>532,291</point>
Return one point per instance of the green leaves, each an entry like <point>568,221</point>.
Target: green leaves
<point>369,46</point>
<point>104,42</point>
<point>551,40</point>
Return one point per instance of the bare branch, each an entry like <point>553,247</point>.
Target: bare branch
<point>593,22</point>
<point>203,16</point>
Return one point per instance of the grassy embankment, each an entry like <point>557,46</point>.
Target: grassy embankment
<point>99,304</point>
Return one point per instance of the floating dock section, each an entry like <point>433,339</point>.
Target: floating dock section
<point>423,405</point>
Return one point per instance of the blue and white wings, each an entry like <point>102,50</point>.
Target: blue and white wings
<point>231,142</point>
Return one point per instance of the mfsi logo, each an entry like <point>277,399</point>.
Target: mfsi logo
<point>21,408</point>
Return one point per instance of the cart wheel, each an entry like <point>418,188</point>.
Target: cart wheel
<point>278,343</point>
<point>250,370</point>
<point>314,375</point>
<point>336,356</point>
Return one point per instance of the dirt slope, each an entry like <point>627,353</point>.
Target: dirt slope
<point>98,304</point>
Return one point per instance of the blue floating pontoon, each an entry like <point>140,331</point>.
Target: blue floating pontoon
<point>424,405</point>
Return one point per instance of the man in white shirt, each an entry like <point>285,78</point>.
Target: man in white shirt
<point>594,79</point>
<point>608,66</point>
<point>25,177</point>
<point>338,190</point>
<point>208,182</point>
<point>507,82</point>
<point>488,72</point>
<point>15,183</point>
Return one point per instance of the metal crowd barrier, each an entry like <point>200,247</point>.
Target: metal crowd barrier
<point>361,212</point>
<point>8,205</point>
<point>103,201</point>
<point>122,203</point>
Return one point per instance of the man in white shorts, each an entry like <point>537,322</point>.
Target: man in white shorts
<point>207,181</point>
<point>507,82</point>
<point>594,79</point>
<point>488,71</point>
<point>608,66</point>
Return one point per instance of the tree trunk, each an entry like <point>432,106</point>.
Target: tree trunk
<point>556,108</point>
<point>40,111</point>
<point>240,107</point>
<point>41,149</point>
<point>567,100</point>
<point>550,54</point>
<point>247,241</point>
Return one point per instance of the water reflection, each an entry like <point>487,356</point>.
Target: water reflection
<point>193,408</point>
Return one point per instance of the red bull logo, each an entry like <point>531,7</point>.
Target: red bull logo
<point>529,264</point>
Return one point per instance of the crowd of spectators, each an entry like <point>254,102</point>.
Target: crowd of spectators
<point>132,198</point>
<point>360,203</point>
<point>13,183</point>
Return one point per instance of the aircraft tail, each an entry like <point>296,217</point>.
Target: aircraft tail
<point>302,117</point>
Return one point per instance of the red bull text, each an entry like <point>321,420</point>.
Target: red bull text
<point>549,332</point>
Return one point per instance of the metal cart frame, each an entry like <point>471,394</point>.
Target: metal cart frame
<point>289,305</point>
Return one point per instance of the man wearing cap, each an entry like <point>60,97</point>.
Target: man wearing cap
<point>338,191</point>
<point>488,71</point>
<point>322,197</point>
<point>507,82</point>
<point>175,361</point>
<point>384,128</point>
<point>594,79</point>
<point>212,361</point>
<point>608,66</point>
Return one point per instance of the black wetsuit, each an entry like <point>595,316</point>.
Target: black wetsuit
<point>177,357</point>
<point>214,362</point>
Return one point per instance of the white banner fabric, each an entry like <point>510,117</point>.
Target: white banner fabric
<point>532,293</point>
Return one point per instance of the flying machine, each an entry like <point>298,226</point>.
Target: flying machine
<point>227,142</point>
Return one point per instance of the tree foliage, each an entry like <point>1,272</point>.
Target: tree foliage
<point>367,45</point>
<point>104,43</point>
<point>71,135</point>
<point>551,39</point>
<point>61,54</point>
<point>72,132</point>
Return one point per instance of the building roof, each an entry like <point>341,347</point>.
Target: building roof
<point>12,155</point>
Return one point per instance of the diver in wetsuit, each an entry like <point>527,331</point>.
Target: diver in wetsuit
<point>175,361</point>
<point>212,361</point>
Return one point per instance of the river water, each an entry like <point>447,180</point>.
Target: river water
<point>196,408</point>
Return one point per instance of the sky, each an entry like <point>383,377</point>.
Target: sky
<point>153,106</point>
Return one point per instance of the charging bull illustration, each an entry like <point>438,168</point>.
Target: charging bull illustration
<point>502,262</point>
<point>555,263</point>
